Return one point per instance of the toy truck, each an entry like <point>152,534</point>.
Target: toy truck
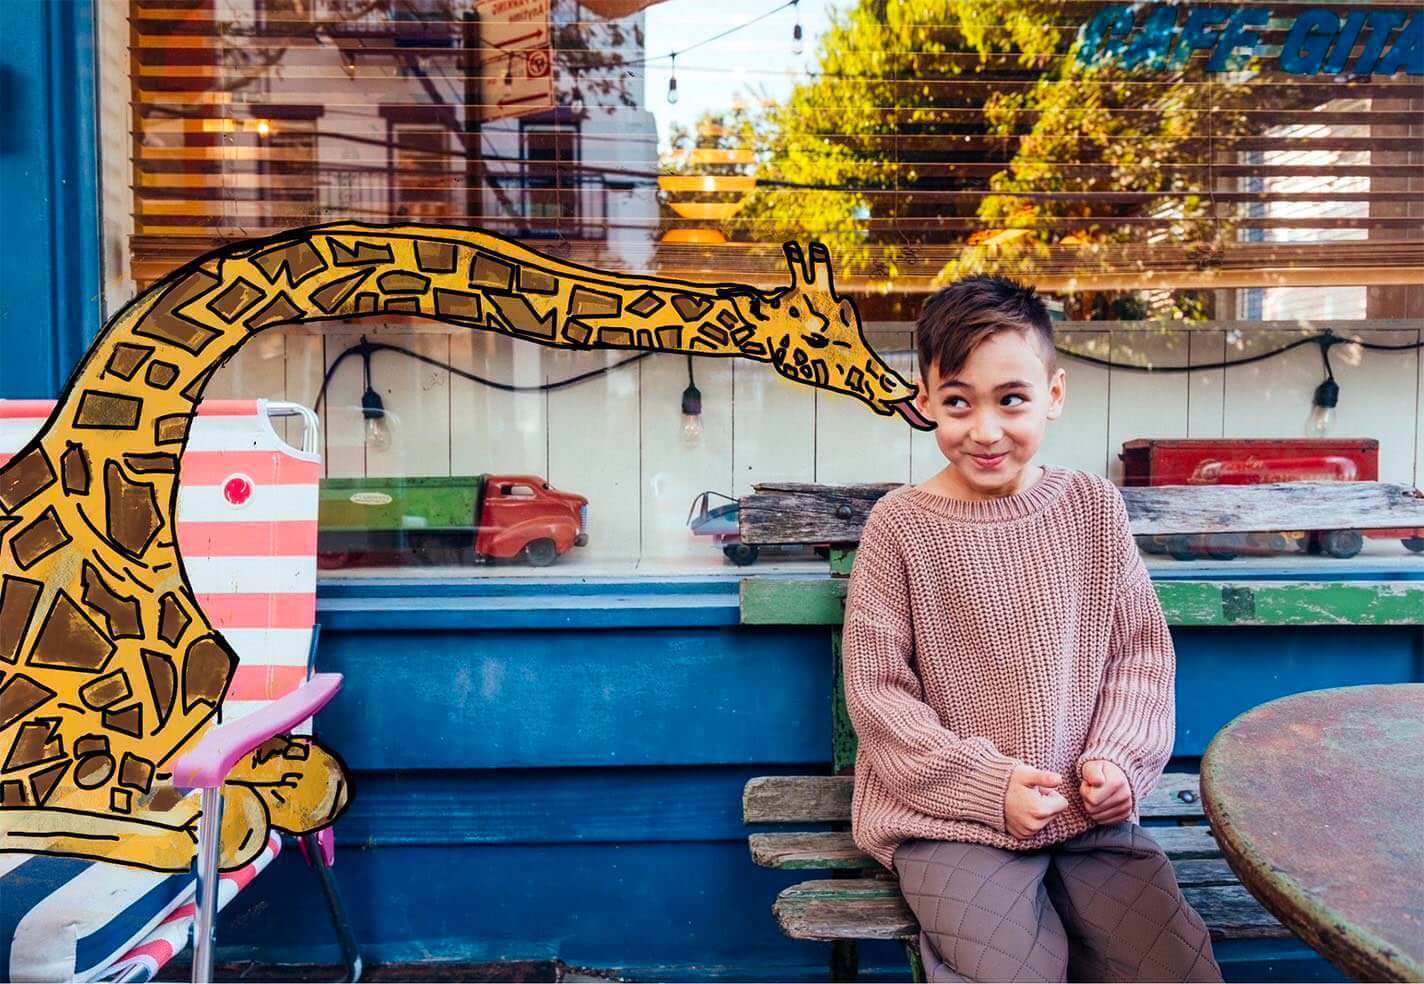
<point>459,519</point>
<point>1254,461</point>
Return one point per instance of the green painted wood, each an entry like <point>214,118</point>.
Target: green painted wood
<point>793,601</point>
<point>843,738</point>
<point>842,559</point>
<point>820,600</point>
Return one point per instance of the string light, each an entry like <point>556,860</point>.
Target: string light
<point>691,410</point>
<point>797,46</point>
<point>672,80</point>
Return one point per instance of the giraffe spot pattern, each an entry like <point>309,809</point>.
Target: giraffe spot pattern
<point>74,467</point>
<point>18,599</point>
<point>38,540</point>
<point>299,261</point>
<point>26,477</point>
<point>127,360</point>
<point>236,300</point>
<point>70,640</point>
<point>106,691</point>
<point>19,695</point>
<point>333,295</point>
<point>161,374</point>
<point>435,257</point>
<point>107,411</point>
<point>162,682</point>
<point>36,744</point>
<point>361,254</point>
<point>132,515</point>
<point>121,613</point>
<point>165,324</point>
<point>173,619</point>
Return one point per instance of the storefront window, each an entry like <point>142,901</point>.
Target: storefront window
<point>1189,186</point>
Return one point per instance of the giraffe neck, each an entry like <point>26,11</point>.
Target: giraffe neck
<point>146,373</point>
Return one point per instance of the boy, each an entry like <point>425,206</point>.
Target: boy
<point>1010,676</point>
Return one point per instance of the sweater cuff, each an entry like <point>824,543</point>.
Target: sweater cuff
<point>985,788</point>
<point>1135,779</point>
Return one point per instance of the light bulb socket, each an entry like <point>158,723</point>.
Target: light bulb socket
<point>1327,394</point>
<point>692,401</point>
<point>372,408</point>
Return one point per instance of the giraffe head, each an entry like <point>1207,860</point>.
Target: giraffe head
<point>813,336</point>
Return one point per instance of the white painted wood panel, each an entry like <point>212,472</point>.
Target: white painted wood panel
<point>1145,404</point>
<point>774,428</point>
<point>854,444</point>
<point>1079,438</point>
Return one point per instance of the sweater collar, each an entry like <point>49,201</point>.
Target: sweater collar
<point>1032,500</point>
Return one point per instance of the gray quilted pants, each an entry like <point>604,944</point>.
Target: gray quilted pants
<point>1102,906</point>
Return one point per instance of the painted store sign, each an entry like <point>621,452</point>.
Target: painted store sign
<point>1379,41</point>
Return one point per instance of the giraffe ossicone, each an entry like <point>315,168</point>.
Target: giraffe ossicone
<point>109,668</point>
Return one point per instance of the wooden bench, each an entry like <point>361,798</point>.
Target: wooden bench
<point>860,900</point>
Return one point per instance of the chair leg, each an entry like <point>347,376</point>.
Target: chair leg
<point>345,937</point>
<point>917,964</point>
<point>205,918</point>
<point>845,961</point>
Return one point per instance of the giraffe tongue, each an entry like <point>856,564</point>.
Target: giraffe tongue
<point>907,409</point>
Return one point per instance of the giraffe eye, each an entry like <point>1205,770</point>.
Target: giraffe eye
<point>793,312</point>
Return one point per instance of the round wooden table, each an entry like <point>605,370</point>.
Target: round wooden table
<point>1316,801</point>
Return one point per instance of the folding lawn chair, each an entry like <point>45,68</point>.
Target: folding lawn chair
<point>247,530</point>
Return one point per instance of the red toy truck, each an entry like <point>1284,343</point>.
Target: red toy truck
<point>1255,461</point>
<point>479,518</point>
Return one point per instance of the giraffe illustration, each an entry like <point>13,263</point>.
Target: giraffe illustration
<point>109,668</point>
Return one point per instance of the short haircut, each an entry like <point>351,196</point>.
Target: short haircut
<point>955,321</point>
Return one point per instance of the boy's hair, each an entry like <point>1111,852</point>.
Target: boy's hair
<point>960,317</point>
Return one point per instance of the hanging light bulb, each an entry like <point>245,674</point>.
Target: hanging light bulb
<point>1321,422</point>
<point>378,427</point>
<point>797,45</point>
<point>691,410</point>
<point>509,72</point>
<point>576,100</point>
<point>672,81</point>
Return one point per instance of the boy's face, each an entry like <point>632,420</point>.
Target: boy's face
<point>992,414</point>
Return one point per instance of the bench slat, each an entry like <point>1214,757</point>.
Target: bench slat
<point>835,849</point>
<point>827,799</point>
<point>868,908</point>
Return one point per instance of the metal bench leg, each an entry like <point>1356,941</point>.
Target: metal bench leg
<point>917,965</point>
<point>845,960</point>
<point>345,937</point>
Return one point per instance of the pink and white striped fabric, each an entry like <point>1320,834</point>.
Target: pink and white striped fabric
<point>247,528</point>
<point>171,935</point>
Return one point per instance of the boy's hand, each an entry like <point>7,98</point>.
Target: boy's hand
<point>1107,797</point>
<point>1032,800</point>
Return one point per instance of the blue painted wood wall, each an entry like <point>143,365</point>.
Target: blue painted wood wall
<point>49,194</point>
<point>573,791</point>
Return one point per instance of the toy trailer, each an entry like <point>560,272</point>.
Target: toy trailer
<point>455,519</point>
<point>1255,461</point>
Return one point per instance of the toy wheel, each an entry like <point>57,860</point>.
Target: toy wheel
<point>541,553</point>
<point>1413,543</point>
<point>741,554</point>
<point>1341,543</point>
<point>330,560</point>
<point>1180,548</point>
<point>1221,554</point>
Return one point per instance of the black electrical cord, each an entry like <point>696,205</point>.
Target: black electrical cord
<point>1324,339</point>
<point>366,348</point>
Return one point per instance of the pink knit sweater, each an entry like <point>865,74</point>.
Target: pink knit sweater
<point>984,634</point>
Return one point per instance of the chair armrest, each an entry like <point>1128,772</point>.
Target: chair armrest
<point>207,764</point>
